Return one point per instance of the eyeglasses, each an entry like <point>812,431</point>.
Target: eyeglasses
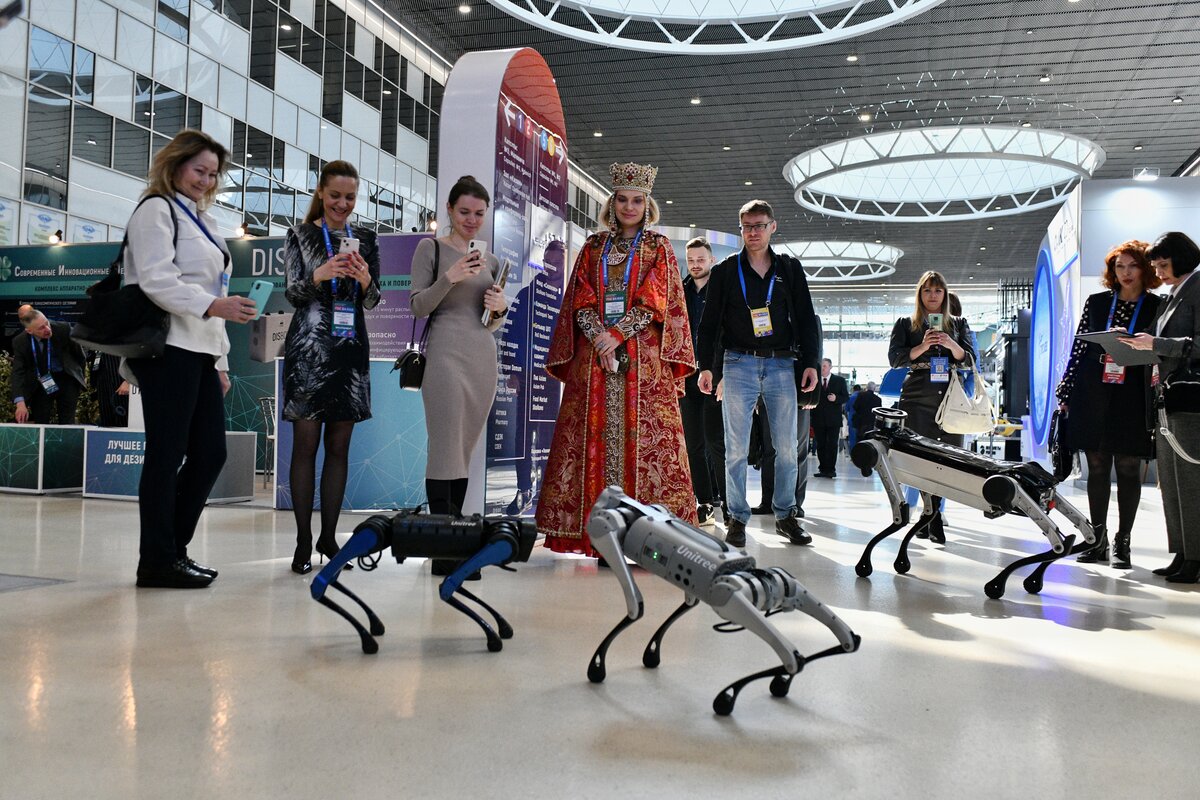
<point>757,227</point>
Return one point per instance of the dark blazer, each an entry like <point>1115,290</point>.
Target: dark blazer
<point>1177,330</point>
<point>828,413</point>
<point>24,376</point>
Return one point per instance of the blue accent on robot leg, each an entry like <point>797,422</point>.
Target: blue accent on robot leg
<point>498,551</point>
<point>366,540</point>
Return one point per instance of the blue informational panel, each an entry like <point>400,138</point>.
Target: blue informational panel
<point>387,452</point>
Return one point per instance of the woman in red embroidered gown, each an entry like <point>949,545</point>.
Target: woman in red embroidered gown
<point>622,348</point>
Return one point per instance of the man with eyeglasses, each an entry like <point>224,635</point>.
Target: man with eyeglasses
<point>760,309</point>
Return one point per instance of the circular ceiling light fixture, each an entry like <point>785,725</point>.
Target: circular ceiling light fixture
<point>942,173</point>
<point>836,262</point>
<point>715,27</point>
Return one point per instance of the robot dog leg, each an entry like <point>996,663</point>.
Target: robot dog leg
<point>704,568</point>
<point>480,541</point>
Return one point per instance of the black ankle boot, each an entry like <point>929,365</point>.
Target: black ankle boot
<point>1100,551</point>
<point>1120,551</point>
<point>1172,568</point>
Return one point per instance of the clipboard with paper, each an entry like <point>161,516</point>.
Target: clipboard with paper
<point>1122,354</point>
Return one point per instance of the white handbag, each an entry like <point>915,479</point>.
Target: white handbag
<point>963,413</point>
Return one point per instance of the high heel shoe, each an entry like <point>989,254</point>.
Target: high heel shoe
<point>520,503</point>
<point>1172,568</point>
<point>302,558</point>
<point>1189,572</point>
<point>327,549</point>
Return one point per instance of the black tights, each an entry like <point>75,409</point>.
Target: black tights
<point>1129,487</point>
<point>306,436</point>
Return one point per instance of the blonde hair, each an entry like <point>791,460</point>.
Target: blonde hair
<point>186,145</point>
<point>608,214</point>
<point>919,316</point>
<point>334,169</point>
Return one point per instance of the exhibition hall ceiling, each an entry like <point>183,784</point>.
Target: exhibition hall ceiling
<point>721,128</point>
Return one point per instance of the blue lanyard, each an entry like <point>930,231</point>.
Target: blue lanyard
<point>33,346</point>
<point>628,262</point>
<point>742,278</point>
<point>329,250</point>
<point>199,224</point>
<point>1112,312</point>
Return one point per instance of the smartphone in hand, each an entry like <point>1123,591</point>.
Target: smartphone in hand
<point>260,292</point>
<point>348,245</point>
<point>935,321</point>
<point>477,245</point>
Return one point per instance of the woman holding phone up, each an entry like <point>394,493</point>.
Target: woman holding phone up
<point>453,284</point>
<point>332,277</point>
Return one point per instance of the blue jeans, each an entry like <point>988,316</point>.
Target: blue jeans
<point>747,377</point>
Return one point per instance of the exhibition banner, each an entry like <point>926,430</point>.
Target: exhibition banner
<point>521,155</point>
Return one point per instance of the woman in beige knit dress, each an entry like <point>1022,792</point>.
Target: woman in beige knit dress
<point>460,380</point>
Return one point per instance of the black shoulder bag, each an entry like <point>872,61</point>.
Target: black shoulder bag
<point>122,320</point>
<point>411,363</point>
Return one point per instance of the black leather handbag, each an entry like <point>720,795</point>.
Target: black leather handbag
<point>1061,456</point>
<point>122,320</point>
<point>1181,391</point>
<point>411,363</point>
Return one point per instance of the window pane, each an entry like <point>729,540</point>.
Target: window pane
<point>372,88</point>
<point>238,11</point>
<point>92,136</point>
<point>143,93</point>
<point>195,114</point>
<point>47,132</point>
<point>173,18</point>
<point>131,149</point>
<point>231,189</point>
<point>331,97</point>
<point>405,110</point>
<point>283,205</point>
<point>258,203</point>
<point>391,64</point>
<point>312,53</point>
<point>289,36</point>
<point>85,75</point>
<point>157,143</point>
<point>170,110</point>
<point>354,77</point>
<point>238,154</point>
<point>259,148</point>
<point>263,29</point>
<point>49,61</point>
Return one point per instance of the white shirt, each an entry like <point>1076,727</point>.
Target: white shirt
<point>183,274</point>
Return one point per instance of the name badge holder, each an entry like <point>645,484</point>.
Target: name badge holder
<point>1113,372</point>
<point>616,301</point>
<point>760,318</point>
<point>47,380</point>
<point>939,369</point>
<point>343,309</point>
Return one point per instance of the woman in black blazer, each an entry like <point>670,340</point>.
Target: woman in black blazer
<point>1106,403</point>
<point>1176,341</point>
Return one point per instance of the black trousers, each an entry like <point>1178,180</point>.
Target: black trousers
<point>827,447</point>
<point>185,418</point>
<point>64,401</point>
<point>704,434</point>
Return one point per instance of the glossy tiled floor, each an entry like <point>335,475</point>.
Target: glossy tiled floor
<point>250,689</point>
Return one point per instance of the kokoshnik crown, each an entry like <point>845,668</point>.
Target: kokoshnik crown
<point>639,177</point>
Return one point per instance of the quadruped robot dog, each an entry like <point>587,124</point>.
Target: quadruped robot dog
<point>709,570</point>
<point>940,470</point>
<point>478,541</point>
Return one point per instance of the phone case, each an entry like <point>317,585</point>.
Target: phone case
<point>260,292</point>
<point>348,246</point>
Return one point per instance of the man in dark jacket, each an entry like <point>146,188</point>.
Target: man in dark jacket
<point>47,370</point>
<point>827,419</point>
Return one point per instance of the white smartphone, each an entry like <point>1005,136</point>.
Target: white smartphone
<point>348,245</point>
<point>477,244</point>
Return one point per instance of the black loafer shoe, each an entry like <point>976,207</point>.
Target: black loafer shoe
<point>762,508</point>
<point>789,527</point>
<point>177,576</point>
<point>735,534</point>
<point>203,570</point>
